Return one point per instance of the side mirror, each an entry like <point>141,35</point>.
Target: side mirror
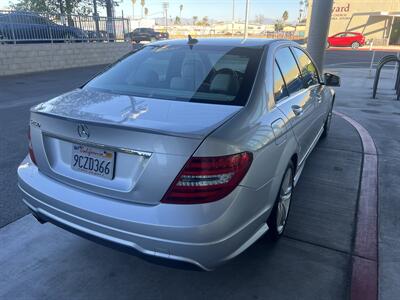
<point>331,79</point>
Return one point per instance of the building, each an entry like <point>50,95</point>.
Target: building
<point>378,20</point>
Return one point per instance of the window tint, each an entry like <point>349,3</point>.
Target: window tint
<point>290,70</point>
<point>308,70</point>
<point>200,73</point>
<point>280,90</point>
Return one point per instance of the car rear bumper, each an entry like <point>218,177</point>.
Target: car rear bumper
<point>203,235</point>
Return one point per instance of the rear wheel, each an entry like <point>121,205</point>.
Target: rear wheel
<point>355,45</point>
<point>278,217</point>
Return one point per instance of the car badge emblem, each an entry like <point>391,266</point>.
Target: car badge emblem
<point>83,131</point>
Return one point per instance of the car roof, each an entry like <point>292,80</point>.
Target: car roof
<point>233,42</point>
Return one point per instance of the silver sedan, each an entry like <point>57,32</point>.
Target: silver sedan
<point>187,150</point>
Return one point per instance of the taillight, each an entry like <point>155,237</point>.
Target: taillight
<point>30,148</point>
<point>208,179</point>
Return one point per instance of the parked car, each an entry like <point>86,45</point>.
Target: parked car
<point>101,35</point>
<point>184,150</point>
<point>31,27</point>
<point>146,34</point>
<point>346,39</point>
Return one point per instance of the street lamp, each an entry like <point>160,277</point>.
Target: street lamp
<point>246,20</point>
<point>165,8</point>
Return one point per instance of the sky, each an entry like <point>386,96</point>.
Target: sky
<point>213,9</point>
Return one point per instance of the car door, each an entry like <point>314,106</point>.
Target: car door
<point>339,39</point>
<point>351,38</point>
<point>295,101</point>
<point>310,76</point>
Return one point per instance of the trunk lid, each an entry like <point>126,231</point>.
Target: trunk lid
<point>151,139</point>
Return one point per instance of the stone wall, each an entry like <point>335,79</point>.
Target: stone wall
<point>26,58</point>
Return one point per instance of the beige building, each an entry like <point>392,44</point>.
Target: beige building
<point>378,20</point>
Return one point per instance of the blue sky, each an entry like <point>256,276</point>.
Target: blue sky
<point>214,9</point>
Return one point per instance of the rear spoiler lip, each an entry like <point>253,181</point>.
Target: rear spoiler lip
<point>191,135</point>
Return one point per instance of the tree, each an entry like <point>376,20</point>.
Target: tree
<point>177,20</point>
<point>279,25</point>
<point>260,19</point>
<point>56,6</point>
<point>195,18</point>
<point>285,16</point>
<point>142,3</point>
<point>180,11</point>
<point>133,8</point>
<point>146,11</point>
<point>205,21</point>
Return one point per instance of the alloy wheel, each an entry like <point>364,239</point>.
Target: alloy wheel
<point>285,197</point>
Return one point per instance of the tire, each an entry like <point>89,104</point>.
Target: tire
<point>355,45</point>
<point>278,218</point>
<point>327,124</point>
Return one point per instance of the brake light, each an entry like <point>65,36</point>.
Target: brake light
<point>208,179</point>
<point>30,148</point>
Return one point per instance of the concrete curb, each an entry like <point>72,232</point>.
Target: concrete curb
<point>364,278</point>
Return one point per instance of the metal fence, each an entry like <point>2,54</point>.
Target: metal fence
<point>23,27</point>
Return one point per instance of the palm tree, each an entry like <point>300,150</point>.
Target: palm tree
<point>285,16</point>
<point>146,11</point>
<point>133,8</point>
<point>180,11</point>
<point>142,3</point>
<point>195,20</point>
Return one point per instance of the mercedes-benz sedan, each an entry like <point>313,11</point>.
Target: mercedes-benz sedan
<point>187,150</point>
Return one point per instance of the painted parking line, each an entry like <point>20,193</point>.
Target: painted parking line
<point>364,278</point>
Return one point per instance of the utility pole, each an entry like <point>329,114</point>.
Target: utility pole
<point>246,20</point>
<point>233,17</point>
<point>96,18</point>
<point>321,13</point>
<point>165,7</point>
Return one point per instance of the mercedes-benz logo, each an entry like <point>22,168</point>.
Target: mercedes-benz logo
<point>83,131</point>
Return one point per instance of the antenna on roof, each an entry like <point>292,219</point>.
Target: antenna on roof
<point>192,41</point>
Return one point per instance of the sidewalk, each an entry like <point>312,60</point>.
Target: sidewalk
<point>381,117</point>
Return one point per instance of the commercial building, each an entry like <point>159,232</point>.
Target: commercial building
<point>377,20</point>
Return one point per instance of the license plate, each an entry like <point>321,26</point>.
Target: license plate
<point>94,161</point>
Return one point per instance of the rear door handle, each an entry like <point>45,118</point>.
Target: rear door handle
<point>298,110</point>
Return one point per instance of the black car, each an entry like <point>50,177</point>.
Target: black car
<point>146,34</point>
<point>30,27</point>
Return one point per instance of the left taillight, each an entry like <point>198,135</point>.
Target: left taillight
<point>208,179</point>
<point>30,148</point>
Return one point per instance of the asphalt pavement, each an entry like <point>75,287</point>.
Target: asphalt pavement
<point>17,94</point>
<point>346,58</point>
<point>312,261</point>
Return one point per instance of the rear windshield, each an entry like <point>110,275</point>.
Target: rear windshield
<point>199,73</point>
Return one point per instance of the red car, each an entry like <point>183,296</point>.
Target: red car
<point>346,39</point>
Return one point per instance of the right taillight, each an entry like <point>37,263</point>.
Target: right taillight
<point>208,179</point>
<point>30,149</point>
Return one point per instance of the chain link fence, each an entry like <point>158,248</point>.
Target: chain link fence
<point>25,27</point>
